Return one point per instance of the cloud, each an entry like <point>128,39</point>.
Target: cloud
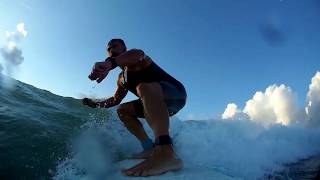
<point>277,105</point>
<point>1,68</point>
<point>17,35</point>
<point>10,52</point>
<point>231,111</point>
<point>312,108</point>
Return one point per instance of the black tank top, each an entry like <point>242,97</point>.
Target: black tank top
<point>152,73</point>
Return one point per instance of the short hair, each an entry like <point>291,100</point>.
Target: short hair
<point>117,40</point>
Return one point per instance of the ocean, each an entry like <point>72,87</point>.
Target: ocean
<point>47,136</point>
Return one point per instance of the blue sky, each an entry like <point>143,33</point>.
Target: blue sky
<point>222,51</point>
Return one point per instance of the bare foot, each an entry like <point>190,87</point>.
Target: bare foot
<point>142,155</point>
<point>162,159</point>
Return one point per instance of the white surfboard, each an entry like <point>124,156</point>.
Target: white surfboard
<point>187,173</point>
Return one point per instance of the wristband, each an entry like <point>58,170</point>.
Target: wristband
<point>113,62</point>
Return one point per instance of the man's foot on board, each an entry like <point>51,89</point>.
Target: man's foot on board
<point>142,155</point>
<point>162,160</point>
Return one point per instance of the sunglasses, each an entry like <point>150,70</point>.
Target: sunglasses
<point>111,46</point>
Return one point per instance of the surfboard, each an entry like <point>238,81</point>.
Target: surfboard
<point>187,173</point>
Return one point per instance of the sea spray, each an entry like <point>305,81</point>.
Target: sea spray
<point>103,142</point>
<point>244,148</point>
<point>239,149</point>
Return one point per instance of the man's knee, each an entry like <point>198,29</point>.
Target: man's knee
<point>125,110</point>
<point>127,115</point>
<point>122,111</point>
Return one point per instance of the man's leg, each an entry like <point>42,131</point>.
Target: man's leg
<point>163,158</point>
<point>128,116</point>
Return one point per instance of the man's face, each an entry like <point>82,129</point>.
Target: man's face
<point>115,49</point>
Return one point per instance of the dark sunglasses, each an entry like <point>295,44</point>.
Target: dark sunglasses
<point>111,46</point>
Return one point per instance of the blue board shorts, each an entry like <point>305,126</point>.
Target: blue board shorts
<point>174,96</point>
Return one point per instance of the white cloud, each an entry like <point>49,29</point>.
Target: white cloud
<point>17,35</point>
<point>313,101</point>
<point>277,105</point>
<point>10,52</point>
<point>231,111</point>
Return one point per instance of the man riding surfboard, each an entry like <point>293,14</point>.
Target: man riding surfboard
<point>159,97</point>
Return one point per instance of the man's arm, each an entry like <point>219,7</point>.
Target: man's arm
<point>120,93</point>
<point>130,58</point>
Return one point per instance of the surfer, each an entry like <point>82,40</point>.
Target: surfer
<point>159,97</point>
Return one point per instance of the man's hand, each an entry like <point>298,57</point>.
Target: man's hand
<point>100,71</point>
<point>89,102</point>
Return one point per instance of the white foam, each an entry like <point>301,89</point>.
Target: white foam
<point>209,149</point>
